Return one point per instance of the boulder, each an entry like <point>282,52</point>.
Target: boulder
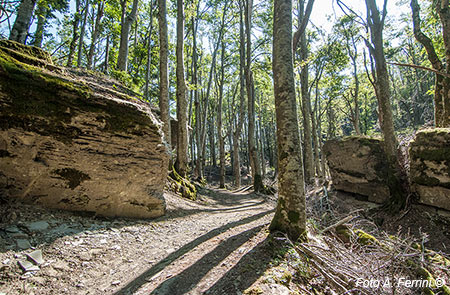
<point>358,165</point>
<point>74,140</point>
<point>429,156</point>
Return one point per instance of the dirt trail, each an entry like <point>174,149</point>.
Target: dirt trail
<point>188,251</point>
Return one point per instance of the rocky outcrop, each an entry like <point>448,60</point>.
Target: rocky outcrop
<point>358,165</point>
<point>430,167</point>
<point>74,140</point>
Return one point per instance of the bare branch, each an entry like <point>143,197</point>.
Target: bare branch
<point>420,67</point>
<point>302,26</point>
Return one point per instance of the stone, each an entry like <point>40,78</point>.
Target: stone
<point>61,266</point>
<point>35,257</point>
<point>358,165</point>
<point>27,266</point>
<point>63,230</point>
<point>37,226</point>
<point>74,140</point>
<point>429,154</point>
<point>12,229</point>
<point>23,244</point>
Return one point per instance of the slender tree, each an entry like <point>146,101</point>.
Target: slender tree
<point>75,33</point>
<point>253,151</point>
<point>82,31</point>
<point>126,22</point>
<point>181,163</point>
<point>238,130</point>
<point>442,84</point>
<point>149,54</point>
<point>22,23</point>
<point>42,13</point>
<point>95,33</point>
<point>164,69</point>
<point>290,214</point>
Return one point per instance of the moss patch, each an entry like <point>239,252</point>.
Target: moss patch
<point>182,186</point>
<point>32,51</point>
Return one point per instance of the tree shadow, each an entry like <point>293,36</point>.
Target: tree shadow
<point>191,276</point>
<point>136,283</point>
<point>249,268</point>
<point>69,223</point>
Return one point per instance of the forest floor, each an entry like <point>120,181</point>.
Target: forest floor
<point>219,244</point>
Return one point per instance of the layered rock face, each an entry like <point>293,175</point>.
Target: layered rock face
<point>73,140</point>
<point>358,165</point>
<point>430,167</point>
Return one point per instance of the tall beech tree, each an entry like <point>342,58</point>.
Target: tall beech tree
<point>126,21</point>
<point>305,96</point>
<point>442,84</point>
<point>381,84</point>
<point>181,163</point>
<point>164,69</point>
<point>290,214</point>
<point>75,33</point>
<point>22,23</point>
<point>255,162</point>
<point>240,121</point>
<point>95,33</point>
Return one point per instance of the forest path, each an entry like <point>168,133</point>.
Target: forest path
<point>207,244</point>
<point>191,250</point>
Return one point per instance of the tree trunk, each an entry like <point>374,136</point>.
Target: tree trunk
<point>75,35</point>
<point>22,23</point>
<point>106,63</point>
<point>306,103</point>
<point>382,85</point>
<point>164,70</point>
<point>237,132</point>
<point>42,12</point>
<point>219,118</point>
<point>375,20</point>
<point>290,214</point>
<point>95,33</point>
<point>149,55</point>
<point>122,59</point>
<point>83,29</point>
<point>442,84</point>
<point>253,152</point>
<point>181,164</point>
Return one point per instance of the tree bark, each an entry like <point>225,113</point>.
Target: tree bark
<point>95,33</point>
<point>253,152</point>
<point>375,21</point>
<point>122,59</point>
<point>237,132</point>
<point>149,55</point>
<point>164,70</point>
<point>75,35</point>
<point>442,84</point>
<point>306,111</point>
<point>42,11</point>
<point>382,85</point>
<point>181,163</point>
<point>22,23</point>
<point>106,63</point>
<point>290,214</point>
<point>219,116</point>
<point>83,29</point>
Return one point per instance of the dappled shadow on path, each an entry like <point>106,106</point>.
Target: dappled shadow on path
<point>191,276</point>
<point>136,283</point>
<point>249,268</point>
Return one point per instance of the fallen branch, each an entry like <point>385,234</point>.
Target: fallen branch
<point>342,221</point>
